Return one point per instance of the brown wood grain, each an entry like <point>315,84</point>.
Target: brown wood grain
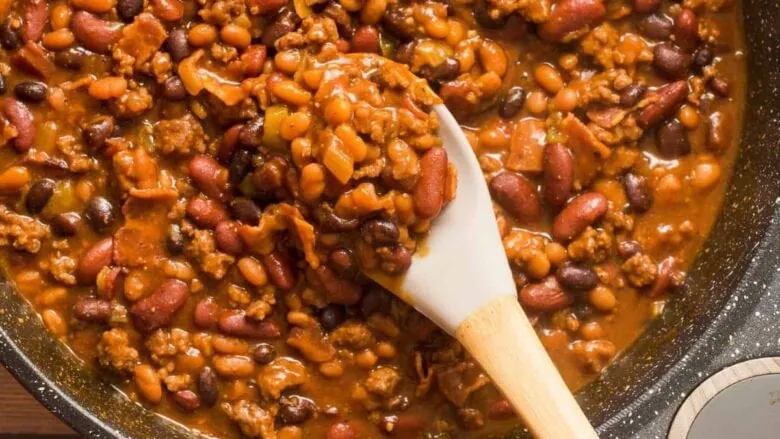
<point>21,414</point>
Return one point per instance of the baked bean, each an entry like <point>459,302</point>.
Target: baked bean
<point>54,322</point>
<point>202,35</point>
<point>536,102</point>
<point>99,255</point>
<point>537,265</point>
<point>93,33</point>
<point>148,383</point>
<point>94,6</point>
<point>237,324</point>
<point>602,298</point>
<point>667,99</point>
<point>343,430</point>
<point>209,176</point>
<point>90,309</point>
<point>566,100</point>
<point>21,118</point>
<point>705,175</point>
<point>295,125</point>
<point>206,212</point>
<point>545,296</point>
<point>59,39</point>
<point>558,171</point>
<point>338,110</point>
<point>578,214</point>
<point>492,57</point>
<point>517,196</point>
<point>672,139</point>
<point>60,16</point>
<point>548,78</point>
<point>206,313</point>
<point>168,10</point>
<point>289,91</point>
<point>576,276</point>
<point>158,309</point>
<point>233,366</point>
<point>235,36</point>
<point>429,191</point>
<point>14,179</point>
<point>688,116</point>
<point>671,61</point>
<point>572,17</point>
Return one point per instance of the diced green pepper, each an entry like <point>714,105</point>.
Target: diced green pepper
<point>274,116</point>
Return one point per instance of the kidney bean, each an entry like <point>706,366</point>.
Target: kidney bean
<point>209,176</point>
<point>176,44</point>
<point>90,309</point>
<point>571,17</point>
<point>501,409</point>
<point>329,222</point>
<point>14,179</point>
<point>578,214</point>
<point>342,261</point>
<point>428,194</point>
<point>626,249</point>
<point>31,91</point>
<point>9,36</point>
<point>403,425</point>
<point>237,324</point>
<point>66,224</point>
<point>96,257</point>
<point>34,17</point>
<point>234,366</point>
<point>558,171</point>
<point>229,144</point>
<point>71,59</point>
<point>93,33</point>
<point>717,136</point>
<point>638,192</point>
<point>97,131</point>
<point>672,139</point>
<point>395,260</point>
<point>21,118</point>
<point>264,353</point>
<point>245,210</point>
<point>686,30</point>
<point>337,289</point>
<point>577,277</point>
<point>511,102</point>
<point>100,213</point>
<point>295,410</point>
<point>343,430</point>
<point>379,232</point>
<point>545,296</point>
<point>670,61</point>
<point>517,196</point>
<point>663,280</point>
<point>254,57</point>
<point>227,238</point>
<point>667,99</point>
<point>158,309</point>
<point>187,400</point>
<point>646,6</point>
<point>279,270</point>
<point>128,9</point>
<point>267,6</point>
<point>720,86</point>
<point>240,165</point>
<point>656,27</point>
<point>206,212</point>
<point>207,387</point>
<point>206,314</point>
<point>366,40</point>
<point>251,134</point>
<point>632,95</point>
<point>39,194</point>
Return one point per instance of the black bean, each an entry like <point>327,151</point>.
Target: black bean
<point>703,57</point>
<point>332,316</point>
<point>375,300</point>
<point>638,192</point>
<point>394,260</point>
<point>379,232</point>
<point>343,262</point>
<point>656,27</point>
<point>329,222</point>
<point>175,239</point>
<point>177,45</point>
<point>173,89</point>
<point>39,194</point>
<point>239,166</point>
<point>251,134</point>
<point>295,409</point>
<point>285,22</point>
<point>447,70</point>
<point>632,95</point>
<point>97,131</point>
<point>671,61</point>
<point>511,102</point>
<point>397,20</point>
<point>245,210</point>
<point>9,36</point>
<point>207,387</point>
<point>576,276</point>
<point>626,249</point>
<point>404,52</point>
<point>31,91</point>
<point>71,59</point>
<point>99,213</point>
<point>3,85</point>
<point>128,9</point>
<point>487,17</point>
<point>66,224</point>
<point>264,353</point>
<point>672,139</point>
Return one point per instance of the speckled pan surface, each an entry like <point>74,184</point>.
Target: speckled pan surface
<point>728,312</point>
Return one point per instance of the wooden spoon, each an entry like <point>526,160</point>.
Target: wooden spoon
<point>463,283</point>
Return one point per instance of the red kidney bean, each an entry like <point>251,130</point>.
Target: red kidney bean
<point>237,324</point>
<point>656,27</point>
<point>429,191</point>
<point>280,270</point>
<point>666,101</point>
<point>638,192</point>
<point>366,40</point>
<point>379,232</point>
<point>98,256</point>
<point>646,6</point>
<point>395,260</point>
<point>94,33</point>
<point>577,277</point>
<point>558,171</point>
<point>338,289</point>
<point>329,222</point>
<point>501,409</point>
<point>671,61</point>
<point>571,17</point>
<point>517,196</point>
<point>718,128</point>
<point>206,212</point>
<point>267,6</point>
<point>405,425</point>
<point>245,210</point>
<point>672,139</point>
<point>187,400</point>
<point>206,314</point>
<point>21,118</point>
<point>254,58</point>
<point>90,309</point>
<point>34,17</point>
<point>578,214</point>
<point>632,95</point>
<point>209,176</point>
<point>686,30</point>
<point>227,238</point>
<point>664,278</point>
<point>207,387</point>
<point>720,86</point>
<point>229,143</point>
<point>545,296</point>
<point>159,308</point>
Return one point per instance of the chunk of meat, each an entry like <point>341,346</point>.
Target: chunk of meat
<point>203,248</point>
<point>142,38</point>
<point>352,334</point>
<point>382,381</point>
<point>115,352</point>
<point>640,270</point>
<point>457,383</point>
<point>253,420</point>
<point>312,343</point>
<point>282,373</point>
<point>22,232</point>
<point>592,246</point>
<point>588,151</point>
<point>526,148</point>
<point>183,136</point>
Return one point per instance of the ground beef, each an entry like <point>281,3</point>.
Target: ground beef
<point>132,104</point>
<point>253,420</point>
<point>22,232</point>
<point>62,267</point>
<point>279,375</point>
<point>591,246</point>
<point>382,381</point>
<point>203,249</point>
<point>352,334</point>
<point>640,270</point>
<point>174,383</point>
<point>115,352</point>
<point>471,419</point>
<point>183,136</point>
<point>167,343</point>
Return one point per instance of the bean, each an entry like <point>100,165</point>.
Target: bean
<point>295,409</point>
<point>646,6</point>
<point>71,59</point>
<point>638,192</point>
<point>253,58</point>
<point>576,276</point>
<point>100,213</point>
<point>338,290</point>
<point>264,353</point>
<point>572,17</point>
<point>626,249</point>
<point>239,166</point>
<point>14,179</point>
<point>168,10</point>
<point>209,176</point>
<point>237,324</point>
<point>428,193</point>
<point>245,210</point>
<point>3,85</point>
<point>94,33</point>
<point>667,99</point>
<point>343,430</point>
<point>207,387</point>
<point>158,309</point>
<point>206,313</point>
<point>227,238</point>
<point>379,232</point>
<point>511,102</point>
<point>485,18</point>
<point>578,214</point>
<point>702,57</point>
<point>332,316</point>
<point>395,260</point>
<point>632,95</point>
<point>517,196</point>
<point>97,131</point>
<point>128,9</point>
<point>31,91</point>
<point>109,282</point>
<point>403,425</point>
<point>672,139</point>
<point>686,29</point>
<point>280,270</point>
<point>21,118</point>
<point>545,296</point>
<point>66,224</point>
<point>269,6</point>
<point>285,22</point>
<point>558,171</point>
<point>718,139</point>
<point>329,222</point>
<point>656,27</point>
<point>9,36</point>
<point>449,69</point>
<point>173,89</point>
<point>148,383</point>
<point>205,212</point>
<point>175,239</point>
<point>233,366</point>
<point>720,86</point>
<point>176,44</point>
<point>187,400</point>
<point>39,195</point>
<point>34,17</point>
<point>95,258</point>
<point>366,40</point>
<point>663,281</point>
<point>90,309</point>
<point>342,261</point>
<point>251,135</point>
<point>670,61</point>
<point>229,144</point>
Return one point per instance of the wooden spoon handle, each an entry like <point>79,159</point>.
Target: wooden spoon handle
<point>502,340</point>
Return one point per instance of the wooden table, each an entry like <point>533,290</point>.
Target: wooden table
<point>21,415</point>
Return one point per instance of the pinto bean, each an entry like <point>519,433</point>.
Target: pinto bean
<point>21,118</point>
<point>429,191</point>
<point>34,17</point>
<point>671,61</point>
<point>578,214</point>
<point>206,314</point>
<point>517,196</point>
<point>90,309</point>
<point>280,270</point>
<point>558,171</point>
<point>227,238</point>
<point>666,101</point>
<point>237,324</point>
<point>338,289</point>
<point>545,296</point>
<point>96,257</point>
<point>576,276</point>
<point>234,366</point>
<point>638,192</point>
<point>93,33</point>
<point>209,176</point>
<point>646,6</point>
<point>206,212</point>
<point>207,387</point>
<point>570,18</point>
<point>159,308</point>
<point>686,30</point>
